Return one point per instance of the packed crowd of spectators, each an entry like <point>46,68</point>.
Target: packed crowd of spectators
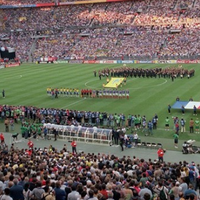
<point>61,44</point>
<point>38,172</point>
<point>105,42</point>
<point>140,29</point>
<point>185,44</point>
<point>69,117</point>
<point>121,13</point>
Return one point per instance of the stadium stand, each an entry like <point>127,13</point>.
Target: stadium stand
<point>137,30</point>
<point>87,175</point>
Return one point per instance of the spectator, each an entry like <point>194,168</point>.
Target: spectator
<point>160,154</point>
<point>144,191</point>
<point>27,192</point>
<point>127,192</point>
<point>73,194</point>
<point>48,194</point>
<point>147,196</point>
<point>38,191</point>
<point>6,195</point>
<point>91,195</point>
<point>16,191</point>
<point>59,193</point>
<point>190,191</point>
<point>74,144</point>
<point>176,137</point>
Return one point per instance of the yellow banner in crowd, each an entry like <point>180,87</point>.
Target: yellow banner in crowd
<point>22,19</point>
<point>114,82</point>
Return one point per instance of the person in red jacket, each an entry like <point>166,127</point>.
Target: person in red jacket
<point>29,152</point>
<point>74,144</point>
<point>30,144</point>
<point>160,153</point>
<point>2,138</point>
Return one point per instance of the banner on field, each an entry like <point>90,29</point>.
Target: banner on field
<point>114,83</point>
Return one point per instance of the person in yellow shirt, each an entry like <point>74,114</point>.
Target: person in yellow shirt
<point>61,91</point>
<point>58,91</point>
<point>70,92</point>
<point>49,91</point>
<point>77,92</point>
<point>67,92</point>
<point>74,92</point>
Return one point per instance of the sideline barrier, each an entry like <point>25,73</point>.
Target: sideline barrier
<point>80,133</point>
<point>124,61</point>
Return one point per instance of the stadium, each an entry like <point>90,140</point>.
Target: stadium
<point>99,99</point>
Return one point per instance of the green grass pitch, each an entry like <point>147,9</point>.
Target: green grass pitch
<point>26,85</point>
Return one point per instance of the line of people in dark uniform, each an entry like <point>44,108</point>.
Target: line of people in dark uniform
<point>169,72</point>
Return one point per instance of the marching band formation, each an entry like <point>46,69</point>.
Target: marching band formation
<point>125,71</point>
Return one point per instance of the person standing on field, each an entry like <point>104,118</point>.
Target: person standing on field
<point>160,154</point>
<point>191,125</point>
<point>122,140</point>
<point>182,122</point>
<point>167,124</point>
<point>2,138</point>
<point>195,110</point>
<point>30,144</point>
<point>196,122</point>
<point>176,140</point>
<point>74,144</point>
<point>3,93</point>
<point>6,123</point>
<point>169,109</point>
